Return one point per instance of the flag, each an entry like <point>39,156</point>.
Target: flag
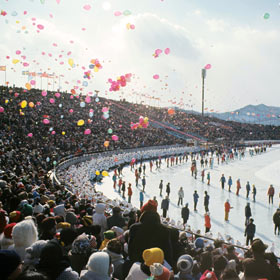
<point>2,68</point>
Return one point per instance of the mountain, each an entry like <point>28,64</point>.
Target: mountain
<point>259,114</point>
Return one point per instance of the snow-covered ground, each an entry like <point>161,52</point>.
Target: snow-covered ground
<point>261,170</point>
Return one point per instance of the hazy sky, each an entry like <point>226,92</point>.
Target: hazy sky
<point>233,36</point>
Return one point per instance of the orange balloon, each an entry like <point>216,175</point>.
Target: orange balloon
<point>106,144</point>
<point>28,86</point>
<point>31,104</point>
<point>171,111</point>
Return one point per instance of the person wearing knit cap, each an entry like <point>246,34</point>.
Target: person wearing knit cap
<point>108,235</point>
<point>118,231</point>
<point>51,203</point>
<point>15,217</point>
<point>62,225</point>
<point>33,253</point>
<point>59,210</point>
<point>10,265</point>
<point>208,275</point>
<point>159,271</point>
<point>151,205</point>
<point>24,234</point>
<point>184,266</point>
<point>99,267</point>
<point>6,239</point>
<point>71,218</point>
<point>48,228</point>
<point>153,255</point>
<point>199,243</point>
<point>99,218</point>
<point>86,221</point>
<point>27,210</point>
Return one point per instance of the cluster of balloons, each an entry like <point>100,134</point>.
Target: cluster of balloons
<point>159,51</point>
<point>3,13</point>
<point>104,173</point>
<point>87,75</point>
<point>143,123</point>
<point>125,13</point>
<point>120,82</point>
<point>95,65</point>
<point>105,111</point>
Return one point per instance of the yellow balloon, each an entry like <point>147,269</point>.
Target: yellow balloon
<point>28,86</point>
<point>31,104</point>
<point>23,104</point>
<point>6,101</point>
<point>106,143</point>
<point>146,119</point>
<point>71,62</point>
<point>63,133</point>
<point>128,26</point>
<point>80,122</point>
<point>15,61</point>
<point>105,173</point>
<point>95,69</point>
<point>97,173</point>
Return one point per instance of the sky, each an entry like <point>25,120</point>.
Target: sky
<point>239,40</point>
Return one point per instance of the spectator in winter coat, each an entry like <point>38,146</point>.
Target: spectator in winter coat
<point>165,206</point>
<point>149,233</point>
<point>141,198</point>
<point>248,213</point>
<point>129,193</point>
<point>254,191</point>
<point>223,180</point>
<point>227,209</point>
<point>270,194</point>
<point>248,188</point>
<point>99,218</point>
<point>195,199</point>
<point>116,219</point>
<point>229,183</point>
<point>185,213</point>
<point>206,201</point>
<point>181,196</point>
<point>276,221</point>
<point>250,231</point>
<point>207,222</point>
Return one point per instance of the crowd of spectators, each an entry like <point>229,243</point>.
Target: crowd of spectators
<point>48,233</point>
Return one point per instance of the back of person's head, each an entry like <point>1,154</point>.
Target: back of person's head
<point>159,271</point>
<point>24,233</point>
<point>67,236</point>
<point>99,263</point>
<point>9,264</point>
<point>218,243</point>
<point>151,218</point>
<point>206,261</point>
<point>185,264</point>
<point>229,274</point>
<point>153,255</point>
<point>32,275</point>
<point>115,246</point>
<point>220,263</point>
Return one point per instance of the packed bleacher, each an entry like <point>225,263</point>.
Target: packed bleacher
<point>48,232</point>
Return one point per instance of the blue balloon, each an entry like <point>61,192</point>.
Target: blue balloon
<point>82,104</point>
<point>91,66</point>
<point>85,83</point>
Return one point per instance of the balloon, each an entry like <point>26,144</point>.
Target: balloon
<point>105,109</point>
<point>208,66</point>
<point>96,99</point>
<point>28,86</point>
<point>156,76</point>
<point>127,12</point>
<point>91,66</point>
<point>91,114</point>
<point>87,131</point>
<point>87,7</point>
<point>266,16</point>
<point>32,82</point>
<point>15,61</point>
<point>52,101</point>
<point>115,137</point>
<point>85,83</point>
<point>25,64</point>
<point>117,13</point>
<point>167,51</point>
<point>71,62</point>
<point>71,111</point>
<point>29,134</point>
<point>46,121</point>
<point>40,26</point>
<point>110,130</point>
<point>63,132</point>
<point>105,116</point>
<point>87,99</point>
<point>18,52</point>
<point>54,162</point>
<point>132,26</point>
<point>146,119</point>
<point>44,93</point>
<point>31,104</point>
<point>171,111</point>
<point>80,122</point>
<point>53,132</point>
<point>105,173</point>
<point>97,173</point>
<point>23,104</point>
<point>57,94</point>
<point>2,109</point>
<point>82,104</point>
<point>106,144</point>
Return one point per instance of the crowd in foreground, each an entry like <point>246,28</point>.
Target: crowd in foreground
<point>49,233</point>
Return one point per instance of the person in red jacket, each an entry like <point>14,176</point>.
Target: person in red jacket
<point>129,192</point>
<point>207,221</point>
<point>238,186</point>
<point>270,194</point>
<point>227,209</point>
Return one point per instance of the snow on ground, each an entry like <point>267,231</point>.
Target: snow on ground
<point>260,170</point>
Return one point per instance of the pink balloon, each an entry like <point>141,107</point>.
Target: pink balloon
<point>91,110</point>
<point>57,1</point>
<point>16,94</point>
<point>25,12</point>
<point>51,15</point>
<point>83,29</point>
<point>61,62</point>
<point>44,93</point>
<point>7,57</point>
<point>18,52</point>
<point>208,66</point>
<point>33,19</point>
<point>158,51</point>
<point>167,51</point>
<point>53,132</point>
<point>43,53</point>
<point>68,53</point>
<point>52,100</point>
<point>87,131</point>
<point>71,110</point>
<point>32,82</point>
<point>115,137</point>
<point>87,7</point>
<point>2,109</point>
<point>132,26</point>
<point>87,99</point>
<point>25,64</point>
<point>40,26</point>
<point>57,94</point>
<point>71,96</point>
<point>117,13</point>
<point>156,76</point>
<point>105,109</point>
<point>46,121</point>
<point>29,134</point>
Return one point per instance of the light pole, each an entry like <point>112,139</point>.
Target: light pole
<point>203,75</point>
